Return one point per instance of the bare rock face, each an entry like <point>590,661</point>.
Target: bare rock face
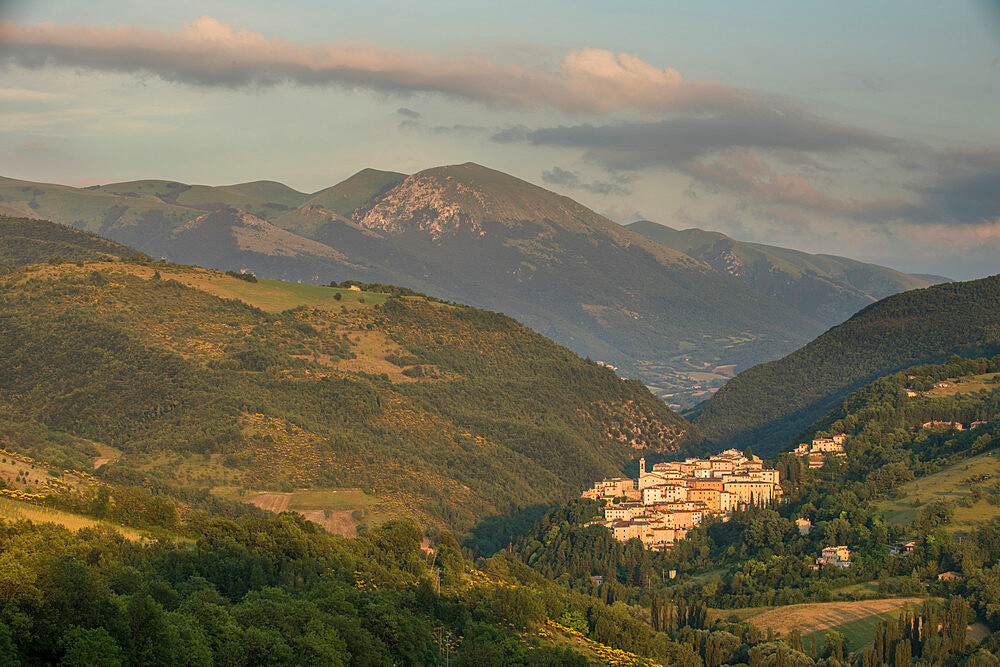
<point>421,202</point>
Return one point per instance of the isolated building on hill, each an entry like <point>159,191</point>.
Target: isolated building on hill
<point>820,448</point>
<point>958,426</point>
<point>839,556</point>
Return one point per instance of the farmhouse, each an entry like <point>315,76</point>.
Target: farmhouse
<point>935,424</point>
<point>836,557</point>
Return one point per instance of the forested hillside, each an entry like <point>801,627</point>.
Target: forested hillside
<point>768,405</point>
<point>279,592</point>
<point>26,241</point>
<point>433,410</point>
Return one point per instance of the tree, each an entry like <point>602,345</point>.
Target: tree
<point>90,647</point>
<point>833,645</point>
<point>8,652</point>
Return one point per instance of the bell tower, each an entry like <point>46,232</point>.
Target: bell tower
<point>642,467</point>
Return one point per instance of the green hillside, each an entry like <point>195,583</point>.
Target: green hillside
<point>269,191</point>
<point>27,241</point>
<point>928,474</point>
<point>824,287</point>
<point>768,405</point>
<point>202,380</point>
<point>351,194</point>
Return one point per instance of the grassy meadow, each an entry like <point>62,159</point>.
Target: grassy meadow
<point>948,484</point>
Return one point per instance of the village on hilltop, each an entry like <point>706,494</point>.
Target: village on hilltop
<point>671,498</point>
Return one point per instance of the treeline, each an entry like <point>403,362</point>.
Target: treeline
<point>381,288</point>
<point>277,591</point>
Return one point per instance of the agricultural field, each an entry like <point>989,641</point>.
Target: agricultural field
<point>952,484</point>
<point>338,511</point>
<point>13,510</point>
<point>854,619</point>
<point>856,633</point>
<point>107,454</point>
<point>268,295</point>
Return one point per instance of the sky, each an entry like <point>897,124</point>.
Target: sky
<point>862,129</point>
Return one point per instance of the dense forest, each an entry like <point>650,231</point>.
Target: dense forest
<point>768,405</point>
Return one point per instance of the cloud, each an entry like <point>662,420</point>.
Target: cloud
<point>408,113</point>
<point>677,140</point>
<point>26,95</point>
<point>734,151</point>
<point>569,179</point>
<point>742,172</point>
<point>960,200</point>
<point>208,52</point>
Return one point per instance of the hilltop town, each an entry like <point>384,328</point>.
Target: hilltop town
<point>671,498</point>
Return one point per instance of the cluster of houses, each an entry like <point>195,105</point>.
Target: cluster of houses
<point>958,426</point>
<point>937,385</point>
<point>671,498</point>
<point>820,448</point>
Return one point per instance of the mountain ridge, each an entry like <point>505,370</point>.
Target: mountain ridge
<point>827,287</point>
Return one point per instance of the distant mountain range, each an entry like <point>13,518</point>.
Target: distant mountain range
<point>680,310</point>
<point>826,288</point>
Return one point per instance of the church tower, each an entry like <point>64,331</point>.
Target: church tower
<point>642,467</point>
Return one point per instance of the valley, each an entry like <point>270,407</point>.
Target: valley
<point>471,334</point>
<point>189,401</point>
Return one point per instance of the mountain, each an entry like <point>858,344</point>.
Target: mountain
<point>26,241</point>
<point>478,236</point>
<point>768,405</point>
<point>826,288</point>
<point>210,382</point>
